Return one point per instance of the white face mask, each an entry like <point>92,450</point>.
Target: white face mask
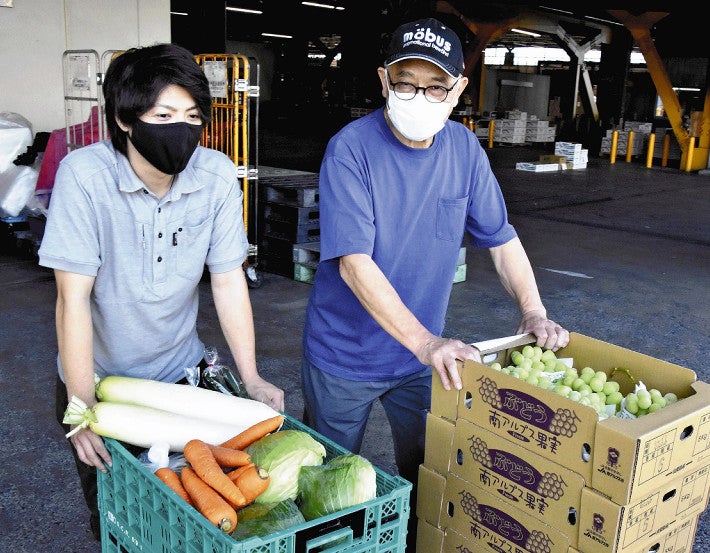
<point>417,119</point>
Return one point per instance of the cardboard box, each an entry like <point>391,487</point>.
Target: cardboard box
<point>525,480</point>
<point>606,527</point>
<point>676,534</point>
<point>430,539</point>
<point>551,158</point>
<point>430,494</point>
<point>447,541</point>
<point>536,166</point>
<point>675,537</point>
<point>627,533</point>
<point>438,440</point>
<point>590,521</point>
<point>494,525</point>
<point>621,458</point>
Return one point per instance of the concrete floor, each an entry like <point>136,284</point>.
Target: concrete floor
<point>640,237</point>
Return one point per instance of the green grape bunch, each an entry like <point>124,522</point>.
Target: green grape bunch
<point>587,386</point>
<point>643,401</point>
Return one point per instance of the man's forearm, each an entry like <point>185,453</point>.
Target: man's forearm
<point>233,306</point>
<point>517,276</point>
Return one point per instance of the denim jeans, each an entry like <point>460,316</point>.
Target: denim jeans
<point>339,409</point>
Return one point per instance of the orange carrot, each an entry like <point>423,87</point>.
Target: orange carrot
<point>199,455</point>
<point>228,457</point>
<point>254,432</point>
<point>233,475</point>
<point>172,480</point>
<point>212,505</point>
<point>253,482</point>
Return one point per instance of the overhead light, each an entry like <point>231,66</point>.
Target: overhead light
<point>179,13</point>
<point>685,89</point>
<point>243,10</point>
<point>606,21</point>
<point>274,35</point>
<point>529,33</point>
<point>557,10</point>
<point>319,5</point>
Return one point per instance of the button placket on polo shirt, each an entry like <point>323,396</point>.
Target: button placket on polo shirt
<point>160,245</point>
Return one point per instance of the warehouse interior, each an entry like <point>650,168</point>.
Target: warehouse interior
<point>620,246</point>
<point>322,68</point>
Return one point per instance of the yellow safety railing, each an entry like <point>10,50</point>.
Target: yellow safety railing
<point>228,131</point>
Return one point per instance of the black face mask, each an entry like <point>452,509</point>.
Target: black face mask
<point>169,146</point>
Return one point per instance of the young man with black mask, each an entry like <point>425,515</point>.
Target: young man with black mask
<point>132,223</point>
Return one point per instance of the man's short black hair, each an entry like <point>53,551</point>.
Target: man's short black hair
<point>135,78</point>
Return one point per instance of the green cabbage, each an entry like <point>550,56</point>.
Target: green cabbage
<point>283,454</point>
<point>344,481</point>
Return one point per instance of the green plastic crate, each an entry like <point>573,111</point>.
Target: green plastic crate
<point>139,514</point>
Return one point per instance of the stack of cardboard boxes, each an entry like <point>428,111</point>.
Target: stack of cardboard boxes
<point>511,130</point>
<point>513,467</point>
<point>568,155</point>
<point>539,130</point>
<point>641,132</point>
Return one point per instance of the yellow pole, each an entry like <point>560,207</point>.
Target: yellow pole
<point>666,149</point>
<point>491,129</point>
<point>629,146</point>
<point>689,157</point>
<point>614,141</point>
<point>649,154</point>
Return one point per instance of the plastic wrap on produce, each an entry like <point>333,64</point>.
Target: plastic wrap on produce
<point>17,187</point>
<point>15,138</point>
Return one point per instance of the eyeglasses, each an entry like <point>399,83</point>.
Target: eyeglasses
<point>407,91</point>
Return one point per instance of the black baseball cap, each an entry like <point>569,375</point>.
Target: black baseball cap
<point>430,40</point>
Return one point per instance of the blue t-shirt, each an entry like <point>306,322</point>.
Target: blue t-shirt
<point>147,254</point>
<point>408,209</point>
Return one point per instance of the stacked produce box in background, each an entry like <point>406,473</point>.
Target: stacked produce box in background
<point>240,477</point>
<point>595,449</point>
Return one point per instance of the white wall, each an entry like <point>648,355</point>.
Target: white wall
<point>34,34</point>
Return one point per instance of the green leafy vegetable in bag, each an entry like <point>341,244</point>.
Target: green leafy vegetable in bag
<point>261,519</point>
<point>283,454</point>
<point>344,481</point>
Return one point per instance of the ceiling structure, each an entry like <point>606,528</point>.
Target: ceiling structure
<point>680,33</point>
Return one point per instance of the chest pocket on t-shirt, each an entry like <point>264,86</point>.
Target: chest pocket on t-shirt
<point>451,218</point>
<point>191,244</point>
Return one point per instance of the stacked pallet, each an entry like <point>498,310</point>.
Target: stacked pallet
<point>290,216</point>
<point>306,257</point>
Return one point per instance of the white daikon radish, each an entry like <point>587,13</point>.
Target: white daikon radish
<point>184,399</point>
<point>144,426</point>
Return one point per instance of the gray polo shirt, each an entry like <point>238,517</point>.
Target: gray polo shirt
<point>147,254</point>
